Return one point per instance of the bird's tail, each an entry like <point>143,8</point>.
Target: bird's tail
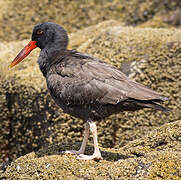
<point>152,104</point>
<point>157,107</point>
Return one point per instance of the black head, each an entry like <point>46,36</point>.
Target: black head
<point>50,34</point>
<point>49,37</point>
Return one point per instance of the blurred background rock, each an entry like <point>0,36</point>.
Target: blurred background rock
<point>17,17</point>
<point>124,33</point>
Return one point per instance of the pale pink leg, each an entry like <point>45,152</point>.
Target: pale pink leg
<point>97,153</point>
<point>84,142</point>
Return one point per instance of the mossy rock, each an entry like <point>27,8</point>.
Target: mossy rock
<point>17,17</point>
<point>144,158</point>
<point>30,118</point>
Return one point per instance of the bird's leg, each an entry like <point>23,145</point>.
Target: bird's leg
<point>97,153</point>
<point>84,142</point>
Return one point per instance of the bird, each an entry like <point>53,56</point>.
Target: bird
<point>85,86</point>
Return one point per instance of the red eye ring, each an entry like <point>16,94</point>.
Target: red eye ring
<point>39,32</point>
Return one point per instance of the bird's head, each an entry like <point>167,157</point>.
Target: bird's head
<point>48,36</point>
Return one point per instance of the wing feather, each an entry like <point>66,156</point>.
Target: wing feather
<point>89,80</point>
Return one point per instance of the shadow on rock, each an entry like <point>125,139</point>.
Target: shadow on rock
<point>60,148</point>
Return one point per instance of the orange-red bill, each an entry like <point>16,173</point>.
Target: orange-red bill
<point>23,53</point>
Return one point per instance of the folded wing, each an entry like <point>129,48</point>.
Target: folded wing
<point>89,81</point>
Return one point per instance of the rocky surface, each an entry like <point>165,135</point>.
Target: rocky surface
<point>17,17</point>
<point>155,156</point>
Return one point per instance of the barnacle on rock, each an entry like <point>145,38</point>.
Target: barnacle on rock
<point>139,159</point>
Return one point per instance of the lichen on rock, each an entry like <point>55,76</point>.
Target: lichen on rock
<point>147,162</point>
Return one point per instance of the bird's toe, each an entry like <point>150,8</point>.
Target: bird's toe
<point>89,157</point>
<point>72,152</point>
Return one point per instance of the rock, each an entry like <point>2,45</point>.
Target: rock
<point>154,156</point>
<point>89,33</point>
<point>174,18</point>
<point>17,17</point>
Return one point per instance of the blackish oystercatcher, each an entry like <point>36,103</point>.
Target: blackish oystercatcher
<point>84,86</point>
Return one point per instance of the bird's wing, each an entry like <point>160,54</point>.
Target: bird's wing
<point>89,81</point>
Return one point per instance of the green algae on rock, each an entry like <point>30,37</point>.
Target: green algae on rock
<point>161,161</point>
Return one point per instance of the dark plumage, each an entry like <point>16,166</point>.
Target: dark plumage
<point>83,86</point>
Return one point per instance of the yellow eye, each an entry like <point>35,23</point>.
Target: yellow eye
<point>39,32</point>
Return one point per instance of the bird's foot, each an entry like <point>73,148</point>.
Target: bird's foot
<point>90,157</point>
<point>73,152</point>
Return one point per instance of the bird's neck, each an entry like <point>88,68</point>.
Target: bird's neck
<point>48,57</point>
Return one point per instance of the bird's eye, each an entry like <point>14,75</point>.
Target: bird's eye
<point>39,32</point>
